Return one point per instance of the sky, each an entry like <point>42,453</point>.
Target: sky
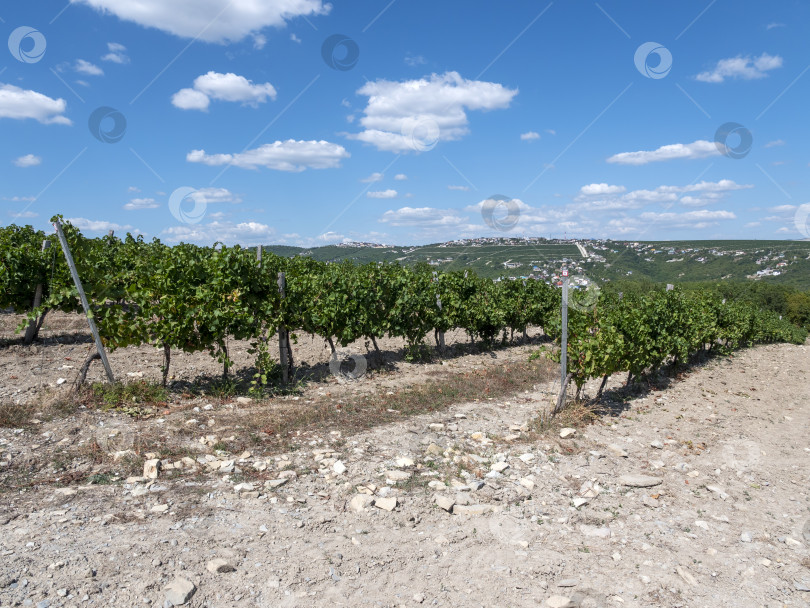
<point>308,123</point>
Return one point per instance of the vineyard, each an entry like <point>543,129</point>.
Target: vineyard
<point>195,298</point>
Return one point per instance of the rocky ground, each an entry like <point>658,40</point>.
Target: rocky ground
<point>691,496</point>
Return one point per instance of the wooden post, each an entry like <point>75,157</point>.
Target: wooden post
<point>33,324</point>
<point>283,338</point>
<point>563,342</point>
<point>77,281</point>
<point>259,255</point>
<point>441,333</point>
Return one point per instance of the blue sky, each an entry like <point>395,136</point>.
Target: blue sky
<point>305,123</point>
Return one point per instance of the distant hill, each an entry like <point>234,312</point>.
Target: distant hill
<point>785,262</point>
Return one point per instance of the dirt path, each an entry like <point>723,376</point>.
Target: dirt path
<point>551,522</point>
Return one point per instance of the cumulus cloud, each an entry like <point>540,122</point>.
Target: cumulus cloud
<point>117,53</point>
<point>290,155</point>
<point>29,160</point>
<point>214,195</point>
<point>374,177</point>
<point>382,194</point>
<point>697,149</point>
<point>702,218</point>
<point>210,20</point>
<point>136,204</point>
<point>775,143</point>
<point>415,114</point>
<point>86,225</point>
<point>23,215</point>
<point>422,216</point>
<point>601,189</point>
<point>85,67</point>
<point>19,104</point>
<point>746,68</point>
<point>529,136</point>
<point>230,233</point>
<point>400,177</point>
<point>224,87</point>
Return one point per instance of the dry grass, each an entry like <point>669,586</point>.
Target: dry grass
<point>278,427</point>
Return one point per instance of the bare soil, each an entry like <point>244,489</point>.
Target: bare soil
<point>726,442</point>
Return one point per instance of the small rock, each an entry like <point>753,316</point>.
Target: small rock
<point>445,502</point>
<point>244,400</point>
<point>746,537</point>
<point>403,462</point>
<point>219,566</point>
<point>639,481</point>
<point>472,509</point>
<point>559,601</point>
<point>339,468</point>
<point>567,432</point>
<point>418,598</point>
<point>151,468</point>
<point>243,487</point>
<point>806,530</point>
<point>179,591</point>
<point>527,483</point>
<point>617,450</point>
<point>792,542</point>
<point>386,504</point>
<point>275,483</point>
<point>499,467</point>
<point>802,585</point>
<point>434,450</point>
<point>595,532</point>
<point>160,508</point>
<point>718,490</point>
<point>568,582</point>
<point>396,475</point>
<point>436,426</point>
<point>359,502</point>
<point>578,502</point>
<point>658,445</point>
<point>686,576</point>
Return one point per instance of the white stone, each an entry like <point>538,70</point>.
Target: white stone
<point>567,432</point>
<point>151,468</point>
<point>639,481</point>
<point>179,591</point>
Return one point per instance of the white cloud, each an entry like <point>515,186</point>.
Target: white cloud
<point>214,195</point>
<point>773,25</point>
<point>230,233</point>
<point>382,194</point>
<point>225,87</point>
<point>85,67</point>
<point>260,41</point>
<point>137,204</point>
<point>29,160</point>
<point>20,104</point>
<point>400,177</point>
<point>290,155</point>
<point>23,215</point>
<point>133,189</point>
<point>459,188</point>
<point>601,189</point>
<point>210,20</point>
<point>422,216</point>
<point>783,208</point>
<point>374,177</point>
<point>330,237</point>
<point>117,53</point>
<point>702,218</point>
<point>697,149</point>
<point>529,136</point>
<point>295,38</point>
<point>747,68</point>
<point>20,199</point>
<point>415,114</point>
<point>775,143</point>
<point>86,225</point>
